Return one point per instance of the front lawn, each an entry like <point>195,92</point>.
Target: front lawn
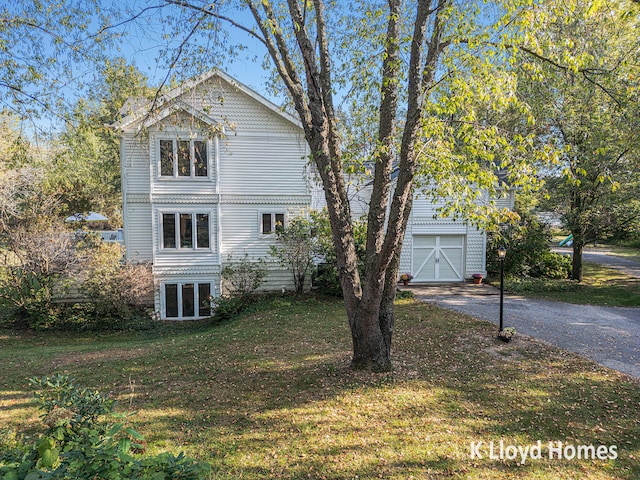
<point>270,395</point>
<point>600,286</point>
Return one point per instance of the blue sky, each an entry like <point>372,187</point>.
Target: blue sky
<point>139,42</point>
<point>142,41</point>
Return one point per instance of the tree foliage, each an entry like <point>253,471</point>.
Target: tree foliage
<point>580,73</point>
<point>85,166</point>
<point>45,48</point>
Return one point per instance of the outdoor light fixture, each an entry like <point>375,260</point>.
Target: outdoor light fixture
<point>502,252</point>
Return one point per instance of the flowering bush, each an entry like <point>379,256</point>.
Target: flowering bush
<point>405,277</point>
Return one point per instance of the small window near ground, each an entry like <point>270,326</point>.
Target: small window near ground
<point>187,300</point>
<point>171,300</point>
<point>204,299</point>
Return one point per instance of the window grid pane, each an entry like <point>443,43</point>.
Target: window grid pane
<point>171,300</point>
<point>204,303</point>
<point>200,158</point>
<point>202,230</point>
<point>266,223</point>
<point>166,158</point>
<point>186,230</point>
<point>184,158</point>
<point>168,230</point>
<point>188,300</point>
<point>279,221</point>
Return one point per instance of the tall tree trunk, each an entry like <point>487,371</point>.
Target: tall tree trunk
<point>369,303</point>
<point>576,261</point>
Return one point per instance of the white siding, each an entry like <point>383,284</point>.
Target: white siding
<point>237,111</point>
<point>241,227</point>
<point>263,165</point>
<point>135,164</point>
<point>138,231</point>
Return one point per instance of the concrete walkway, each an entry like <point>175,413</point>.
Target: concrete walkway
<point>607,335</point>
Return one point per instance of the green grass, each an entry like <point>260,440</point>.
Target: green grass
<point>600,286</point>
<point>271,395</point>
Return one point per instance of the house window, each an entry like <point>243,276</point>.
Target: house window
<point>187,300</point>
<point>183,158</point>
<point>185,230</point>
<point>271,222</point>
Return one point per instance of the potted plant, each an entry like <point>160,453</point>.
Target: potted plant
<point>506,334</point>
<point>477,278</point>
<point>406,278</point>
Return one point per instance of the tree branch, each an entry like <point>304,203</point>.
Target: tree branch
<point>209,11</point>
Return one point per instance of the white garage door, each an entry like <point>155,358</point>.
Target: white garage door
<point>438,258</point>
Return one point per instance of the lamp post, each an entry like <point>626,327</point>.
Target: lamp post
<point>502,252</point>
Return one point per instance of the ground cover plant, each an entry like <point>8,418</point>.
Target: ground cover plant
<point>600,286</point>
<point>270,395</point>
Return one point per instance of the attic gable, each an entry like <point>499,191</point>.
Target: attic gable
<point>202,98</point>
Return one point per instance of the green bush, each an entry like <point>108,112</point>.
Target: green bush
<point>228,307</point>
<point>81,443</point>
<point>325,277</point>
<point>243,277</point>
<point>551,265</point>
<point>528,251</point>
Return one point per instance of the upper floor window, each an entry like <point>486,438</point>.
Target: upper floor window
<point>185,230</point>
<point>183,158</point>
<point>271,222</point>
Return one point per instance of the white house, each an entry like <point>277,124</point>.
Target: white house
<point>207,172</point>
<point>210,168</point>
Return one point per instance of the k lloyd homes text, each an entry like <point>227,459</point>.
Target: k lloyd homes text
<point>555,450</point>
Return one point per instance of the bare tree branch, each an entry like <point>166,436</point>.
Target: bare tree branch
<point>208,10</point>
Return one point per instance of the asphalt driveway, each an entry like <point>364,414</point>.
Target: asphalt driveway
<point>607,335</point>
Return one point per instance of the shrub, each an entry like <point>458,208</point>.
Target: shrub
<point>37,258</point>
<point>295,249</point>
<point>243,277</point>
<point>551,265</point>
<point>528,251</point>
<point>81,442</point>
<point>119,290</point>
<point>325,276</point>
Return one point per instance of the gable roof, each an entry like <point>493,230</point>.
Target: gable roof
<point>167,104</point>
